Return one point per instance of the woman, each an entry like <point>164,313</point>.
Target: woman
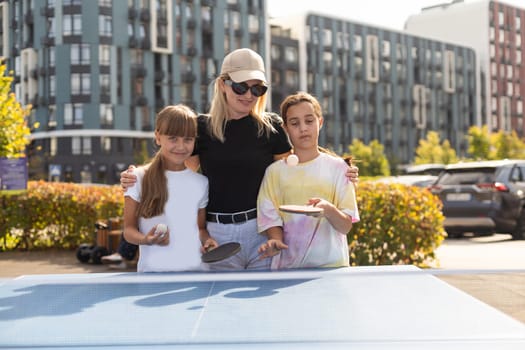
<point>236,141</point>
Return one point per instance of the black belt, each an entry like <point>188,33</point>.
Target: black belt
<point>234,218</point>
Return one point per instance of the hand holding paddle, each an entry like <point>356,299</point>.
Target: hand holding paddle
<point>221,252</point>
<point>301,209</point>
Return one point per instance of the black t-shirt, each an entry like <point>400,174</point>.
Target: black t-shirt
<point>236,167</point>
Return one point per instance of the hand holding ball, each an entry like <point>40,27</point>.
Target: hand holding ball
<point>161,230</point>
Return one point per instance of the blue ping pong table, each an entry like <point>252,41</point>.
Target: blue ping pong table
<point>390,307</point>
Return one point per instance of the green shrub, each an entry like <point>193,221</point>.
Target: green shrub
<point>399,225</point>
<point>58,215</point>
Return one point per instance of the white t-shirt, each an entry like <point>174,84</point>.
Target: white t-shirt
<point>188,192</point>
<point>323,177</point>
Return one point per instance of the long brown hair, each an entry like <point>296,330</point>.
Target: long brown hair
<point>177,120</point>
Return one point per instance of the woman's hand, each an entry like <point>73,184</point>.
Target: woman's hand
<point>127,178</point>
<point>353,174</point>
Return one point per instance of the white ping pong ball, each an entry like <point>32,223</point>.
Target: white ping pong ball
<point>292,160</point>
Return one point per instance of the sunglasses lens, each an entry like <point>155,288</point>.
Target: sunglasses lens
<point>240,88</point>
<point>258,90</point>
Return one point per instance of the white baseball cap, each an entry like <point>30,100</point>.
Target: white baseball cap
<point>242,65</point>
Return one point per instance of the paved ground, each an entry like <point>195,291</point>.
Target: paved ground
<point>504,291</point>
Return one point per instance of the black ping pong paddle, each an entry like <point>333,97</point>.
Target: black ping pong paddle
<point>221,252</point>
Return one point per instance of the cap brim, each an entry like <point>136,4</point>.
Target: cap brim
<point>244,75</point>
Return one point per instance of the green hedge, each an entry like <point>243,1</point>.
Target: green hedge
<point>55,215</point>
<point>399,224</point>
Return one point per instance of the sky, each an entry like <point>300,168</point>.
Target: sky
<point>383,13</point>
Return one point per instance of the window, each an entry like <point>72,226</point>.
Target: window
<point>358,44</point>
<point>51,56</point>
<point>52,85</point>
<point>106,115</point>
<point>73,114</point>
<point>104,55</point>
<point>104,25</point>
<point>80,54</point>
<point>75,145</point>
<point>80,83</point>
<point>290,54</point>
<point>105,144</point>
<point>105,84</point>
<point>81,145</point>
<point>276,52</point>
<point>53,146</point>
<point>72,24</point>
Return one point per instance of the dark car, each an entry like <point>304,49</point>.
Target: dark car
<point>483,197</point>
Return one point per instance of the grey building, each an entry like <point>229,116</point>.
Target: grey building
<point>496,32</point>
<point>97,71</point>
<point>380,84</point>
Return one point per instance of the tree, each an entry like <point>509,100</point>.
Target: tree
<point>14,130</point>
<point>507,145</point>
<point>479,144</point>
<point>371,159</point>
<point>430,150</point>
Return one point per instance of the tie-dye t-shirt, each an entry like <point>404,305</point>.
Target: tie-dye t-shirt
<point>323,177</point>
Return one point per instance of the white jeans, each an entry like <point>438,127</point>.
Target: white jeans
<point>246,234</point>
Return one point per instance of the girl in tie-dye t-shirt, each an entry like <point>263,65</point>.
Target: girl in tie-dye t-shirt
<point>297,240</point>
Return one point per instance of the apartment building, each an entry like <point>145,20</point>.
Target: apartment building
<point>496,31</point>
<point>379,84</point>
<point>97,71</point>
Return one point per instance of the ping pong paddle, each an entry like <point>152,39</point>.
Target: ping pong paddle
<point>221,252</point>
<point>301,209</point>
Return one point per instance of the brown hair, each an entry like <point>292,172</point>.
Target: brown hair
<point>292,100</point>
<point>177,120</point>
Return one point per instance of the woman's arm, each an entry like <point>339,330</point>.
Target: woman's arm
<point>128,179</point>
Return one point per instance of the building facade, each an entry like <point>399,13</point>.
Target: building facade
<point>96,72</point>
<point>379,84</point>
<point>497,32</point>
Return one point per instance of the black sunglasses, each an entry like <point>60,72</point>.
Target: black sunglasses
<point>241,88</point>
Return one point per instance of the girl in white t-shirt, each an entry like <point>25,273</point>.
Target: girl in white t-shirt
<point>314,178</point>
<point>167,193</point>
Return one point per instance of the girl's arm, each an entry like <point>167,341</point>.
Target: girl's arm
<point>131,230</point>
<point>339,220</point>
<point>274,244</point>
<point>207,242</point>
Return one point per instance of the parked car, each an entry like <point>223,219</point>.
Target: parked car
<point>425,169</point>
<point>483,197</point>
<point>413,180</point>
